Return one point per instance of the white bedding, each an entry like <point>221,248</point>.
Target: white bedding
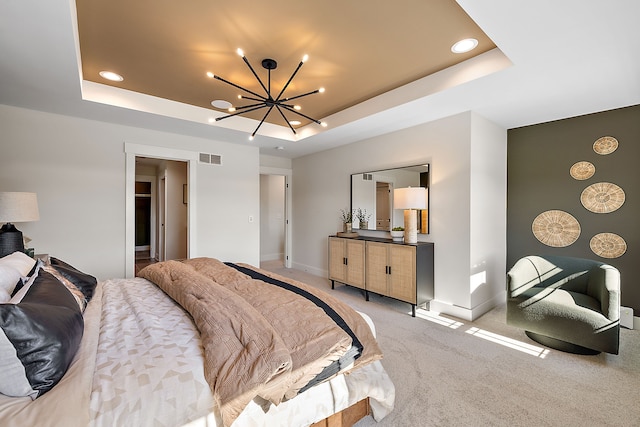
<point>148,371</point>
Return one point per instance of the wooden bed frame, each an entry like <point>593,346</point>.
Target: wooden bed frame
<point>347,417</point>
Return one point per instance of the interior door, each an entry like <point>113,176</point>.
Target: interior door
<point>162,214</point>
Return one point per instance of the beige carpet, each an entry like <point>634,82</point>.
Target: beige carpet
<point>450,372</point>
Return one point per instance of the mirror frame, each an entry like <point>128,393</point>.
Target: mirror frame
<point>396,218</point>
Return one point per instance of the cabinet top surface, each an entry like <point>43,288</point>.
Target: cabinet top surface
<point>382,240</point>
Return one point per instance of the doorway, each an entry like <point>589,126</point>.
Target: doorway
<point>161,210</point>
<point>132,151</point>
<point>275,217</point>
<point>384,207</point>
<point>272,218</point>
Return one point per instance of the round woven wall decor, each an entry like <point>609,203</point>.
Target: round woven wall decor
<point>608,245</point>
<point>602,197</point>
<point>582,170</point>
<point>605,145</point>
<point>556,228</point>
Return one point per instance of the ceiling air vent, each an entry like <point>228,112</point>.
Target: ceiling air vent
<point>367,177</point>
<point>213,159</point>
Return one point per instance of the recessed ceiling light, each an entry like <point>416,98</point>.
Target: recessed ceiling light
<point>464,46</point>
<point>279,147</point>
<point>110,75</point>
<point>221,103</point>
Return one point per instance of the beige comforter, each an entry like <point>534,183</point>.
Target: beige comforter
<point>256,344</point>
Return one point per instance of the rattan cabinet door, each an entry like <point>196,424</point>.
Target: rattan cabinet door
<point>377,268</point>
<point>346,261</point>
<point>337,256</point>
<point>355,263</point>
<point>402,278</point>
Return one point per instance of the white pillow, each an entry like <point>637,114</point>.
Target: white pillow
<point>12,268</point>
<point>9,278</point>
<point>27,284</point>
<point>20,261</point>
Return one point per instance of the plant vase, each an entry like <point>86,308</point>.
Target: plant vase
<point>397,236</point>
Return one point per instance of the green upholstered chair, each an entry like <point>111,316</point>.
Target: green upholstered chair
<point>570,304</point>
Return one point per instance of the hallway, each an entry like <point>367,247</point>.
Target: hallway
<point>143,258</point>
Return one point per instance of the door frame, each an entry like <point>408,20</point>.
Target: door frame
<point>133,150</point>
<point>287,173</point>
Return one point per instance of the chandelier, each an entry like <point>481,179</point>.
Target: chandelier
<point>269,101</point>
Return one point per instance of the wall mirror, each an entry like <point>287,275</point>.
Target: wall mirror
<point>372,196</point>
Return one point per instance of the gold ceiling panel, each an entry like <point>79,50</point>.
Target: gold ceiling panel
<point>356,49</point>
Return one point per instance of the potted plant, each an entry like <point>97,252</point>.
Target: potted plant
<point>363,218</point>
<point>346,216</point>
<point>397,234</point>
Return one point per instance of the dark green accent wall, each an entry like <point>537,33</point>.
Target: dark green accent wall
<point>539,158</point>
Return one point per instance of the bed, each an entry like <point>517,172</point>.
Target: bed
<point>161,350</point>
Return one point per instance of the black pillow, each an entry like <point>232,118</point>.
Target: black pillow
<point>45,328</point>
<point>83,281</point>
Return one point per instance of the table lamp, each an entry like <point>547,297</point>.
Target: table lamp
<point>15,207</point>
<point>410,199</point>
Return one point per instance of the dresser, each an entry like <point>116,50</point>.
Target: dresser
<point>384,267</point>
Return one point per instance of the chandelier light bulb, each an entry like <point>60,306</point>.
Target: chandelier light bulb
<point>232,109</point>
<point>240,52</point>
<point>250,137</point>
<point>323,124</point>
<point>321,90</point>
<point>305,58</point>
<point>297,107</point>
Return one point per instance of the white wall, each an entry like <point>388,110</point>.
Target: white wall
<point>488,213</point>
<point>322,188</point>
<point>77,168</point>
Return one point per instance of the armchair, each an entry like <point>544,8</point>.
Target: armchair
<point>570,304</point>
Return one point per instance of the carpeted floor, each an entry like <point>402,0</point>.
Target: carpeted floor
<point>450,372</point>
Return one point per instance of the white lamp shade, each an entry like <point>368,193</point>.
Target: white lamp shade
<point>18,207</point>
<point>410,198</point>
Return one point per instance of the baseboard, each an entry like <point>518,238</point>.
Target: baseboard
<point>309,269</point>
<point>271,257</point>
<point>450,309</point>
<point>468,314</point>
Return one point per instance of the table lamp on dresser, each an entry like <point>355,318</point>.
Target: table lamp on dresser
<point>15,207</point>
<point>410,199</point>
